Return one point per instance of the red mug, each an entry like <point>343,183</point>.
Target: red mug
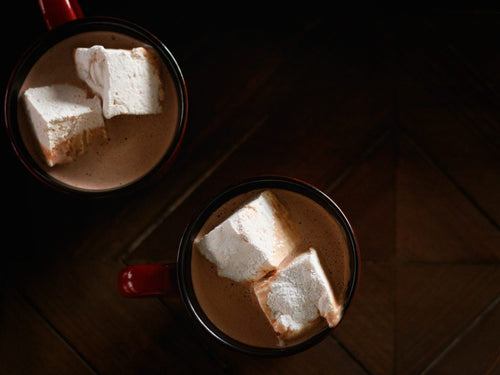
<point>174,280</point>
<point>114,170</point>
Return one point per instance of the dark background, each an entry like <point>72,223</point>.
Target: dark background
<point>395,115</point>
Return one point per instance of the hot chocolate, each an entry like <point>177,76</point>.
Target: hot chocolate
<point>233,306</point>
<point>135,144</point>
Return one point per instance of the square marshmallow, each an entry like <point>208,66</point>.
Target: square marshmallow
<point>297,295</point>
<point>64,120</point>
<point>127,81</point>
<point>253,241</point>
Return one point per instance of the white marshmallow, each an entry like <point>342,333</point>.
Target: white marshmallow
<point>296,295</point>
<point>251,242</point>
<point>127,81</point>
<point>64,120</point>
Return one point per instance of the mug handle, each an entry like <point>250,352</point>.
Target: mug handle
<point>57,12</point>
<point>145,280</point>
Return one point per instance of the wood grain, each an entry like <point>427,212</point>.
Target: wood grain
<point>394,115</point>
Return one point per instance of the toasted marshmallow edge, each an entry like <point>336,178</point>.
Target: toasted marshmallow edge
<point>297,295</point>
<point>64,120</point>
<point>128,81</point>
<point>252,242</point>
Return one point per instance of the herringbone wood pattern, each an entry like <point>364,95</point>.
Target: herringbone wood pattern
<point>395,116</point>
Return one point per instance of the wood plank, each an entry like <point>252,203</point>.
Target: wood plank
<point>472,36</point>
<point>451,114</point>
<point>325,358</point>
<point>477,350</point>
<point>453,142</point>
<point>115,334</point>
<point>435,303</point>
<point>436,222</point>
<point>368,327</point>
<point>29,345</point>
<point>367,195</point>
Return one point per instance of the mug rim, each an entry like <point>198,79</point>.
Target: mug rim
<point>48,40</point>
<point>185,250</point>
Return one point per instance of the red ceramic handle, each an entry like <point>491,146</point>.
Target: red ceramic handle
<point>143,280</point>
<point>57,12</point>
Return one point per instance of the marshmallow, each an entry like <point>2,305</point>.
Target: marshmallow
<point>127,81</point>
<point>297,295</point>
<point>251,242</point>
<point>65,121</point>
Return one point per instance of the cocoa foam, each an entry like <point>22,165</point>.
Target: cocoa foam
<point>135,144</point>
<point>233,306</point>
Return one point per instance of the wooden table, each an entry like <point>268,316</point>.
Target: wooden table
<point>396,116</point>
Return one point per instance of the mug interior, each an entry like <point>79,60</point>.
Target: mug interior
<point>185,257</point>
<point>97,185</point>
